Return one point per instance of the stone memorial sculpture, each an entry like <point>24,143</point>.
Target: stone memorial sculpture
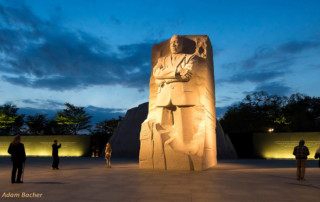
<point>179,132</point>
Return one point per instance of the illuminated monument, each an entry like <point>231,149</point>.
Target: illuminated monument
<point>179,132</point>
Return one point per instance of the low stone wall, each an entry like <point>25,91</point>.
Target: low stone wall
<point>71,145</point>
<point>281,145</point>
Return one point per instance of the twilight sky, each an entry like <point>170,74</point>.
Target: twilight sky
<point>96,53</point>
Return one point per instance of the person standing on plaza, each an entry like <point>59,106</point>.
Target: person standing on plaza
<point>18,158</point>
<point>301,152</point>
<point>317,155</point>
<point>108,155</point>
<point>55,155</point>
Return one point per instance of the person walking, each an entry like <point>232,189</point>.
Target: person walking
<point>18,158</point>
<point>317,155</point>
<point>301,152</point>
<point>108,155</point>
<point>55,155</point>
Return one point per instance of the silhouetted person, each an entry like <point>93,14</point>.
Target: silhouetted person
<point>108,155</point>
<point>18,157</point>
<point>301,152</point>
<point>317,155</point>
<point>55,155</point>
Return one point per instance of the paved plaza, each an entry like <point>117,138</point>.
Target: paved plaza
<point>87,179</point>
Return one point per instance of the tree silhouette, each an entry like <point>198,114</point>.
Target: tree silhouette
<point>107,127</point>
<point>258,112</point>
<point>10,121</point>
<point>73,119</point>
<point>36,124</point>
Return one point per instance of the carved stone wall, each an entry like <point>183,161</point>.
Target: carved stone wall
<point>125,141</point>
<point>190,142</point>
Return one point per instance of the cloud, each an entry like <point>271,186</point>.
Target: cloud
<point>273,88</point>
<point>28,101</point>
<point>217,50</point>
<point>223,99</point>
<point>50,107</point>
<point>268,63</point>
<point>41,53</point>
<point>267,59</point>
<point>114,20</point>
<point>42,103</point>
<point>97,115</point>
<point>293,47</point>
<point>21,80</point>
<point>253,76</point>
<point>100,114</point>
<point>264,65</point>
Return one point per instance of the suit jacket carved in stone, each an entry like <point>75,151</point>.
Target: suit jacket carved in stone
<point>180,92</point>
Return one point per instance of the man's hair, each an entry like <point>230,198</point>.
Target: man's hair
<point>55,141</point>
<point>179,37</point>
<point>16,140</point>
<point>301,142</point>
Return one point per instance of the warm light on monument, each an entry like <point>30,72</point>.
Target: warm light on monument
<point>179,132</point>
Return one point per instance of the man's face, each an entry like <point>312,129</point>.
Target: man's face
<point>175,45</point>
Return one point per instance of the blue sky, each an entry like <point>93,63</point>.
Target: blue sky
<point>97,53</point>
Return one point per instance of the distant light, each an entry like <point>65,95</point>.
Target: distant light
<point>270,130</point>
<point>281,145</point>
<point>72,145</point>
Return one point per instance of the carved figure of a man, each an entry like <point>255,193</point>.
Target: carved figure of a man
<point>176,102</point>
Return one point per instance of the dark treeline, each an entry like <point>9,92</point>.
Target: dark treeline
<point>69,121</point>
<point>259,112</point>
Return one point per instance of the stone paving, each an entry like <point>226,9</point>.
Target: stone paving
<point>87,179</point>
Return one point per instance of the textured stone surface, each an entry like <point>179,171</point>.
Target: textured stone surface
<point>125,141</point>
<point>180,127</point>
<point>225,148</point>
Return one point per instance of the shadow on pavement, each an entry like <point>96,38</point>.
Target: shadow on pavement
<point>304,185</point>
<point>74,169</point>
<point>46,183</point>
<point>267,163</point>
